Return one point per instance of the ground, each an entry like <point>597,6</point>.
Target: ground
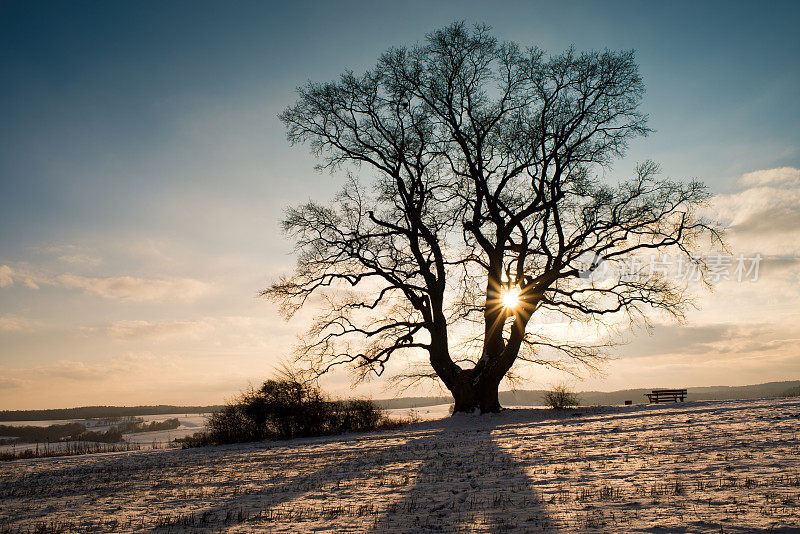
<point>715,466</point>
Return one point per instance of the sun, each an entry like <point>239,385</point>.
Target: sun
<point>511,298</point>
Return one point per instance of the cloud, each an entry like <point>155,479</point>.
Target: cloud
<point>668,339</point>
<point>70,254</point>
<point>785,219</point>
<point>764,215</point>
<point>157,330</point>
<point>135,289</point>
<point>781,176</point>
<point>6,278</point>
<point>760,192</point>
<point>86,372</point>
<point>10,383</point>
<point>74,370</point>
<point>229,330</point>
<point>777,264</point>
<point>13,323</point>
<point>11,276</point>
<point>125,288</point>
<point>720,339</point>
<point>79,259</point>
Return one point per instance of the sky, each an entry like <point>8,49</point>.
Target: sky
<point>144,173</point>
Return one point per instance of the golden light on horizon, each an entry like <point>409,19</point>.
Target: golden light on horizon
<point>511,298</point>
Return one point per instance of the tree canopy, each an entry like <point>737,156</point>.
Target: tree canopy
<point>473,197</point>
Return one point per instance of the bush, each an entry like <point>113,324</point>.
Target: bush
<point>131,425</point>
<point>561,397</point>
<point>792,392</point>
<point>112,435</point>
<point>286,409</point>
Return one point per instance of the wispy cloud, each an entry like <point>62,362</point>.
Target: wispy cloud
<point>158,330</point>
<point>781,176</point>
<point>14,323</point>
<point>6,276</point>
<point>764,215</point>
<point>69,253</point>
<point>780,220</point>
<point>722,339</point>
<point>113,287</point>
<point>231,330</point>
<point>79,259</point>
<point>10,383</point>
<point>82,371</point>
<point>135,289</point>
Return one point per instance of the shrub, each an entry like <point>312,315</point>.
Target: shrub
<point>111,435</point>
<point>792,392</point>
<point>285,409</point>
<point>561,397</point>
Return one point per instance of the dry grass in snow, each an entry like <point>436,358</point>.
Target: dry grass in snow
<point>726,466</point>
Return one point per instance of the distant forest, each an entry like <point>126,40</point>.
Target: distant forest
<point>78,432</point>
<point>507,398</point>
<point>101,412</point>
<point>588,398</point>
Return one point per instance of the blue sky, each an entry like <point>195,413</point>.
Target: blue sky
<point>140,144</point>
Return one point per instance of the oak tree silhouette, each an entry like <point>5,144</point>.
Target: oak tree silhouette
<point>482,199</point>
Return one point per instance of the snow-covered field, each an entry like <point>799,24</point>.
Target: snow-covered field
<point>190,423</point>
<point>724,466</point>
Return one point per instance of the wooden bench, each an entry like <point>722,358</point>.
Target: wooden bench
<point>666,395</point>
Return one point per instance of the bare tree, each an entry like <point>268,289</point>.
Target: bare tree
<point>482,200</point>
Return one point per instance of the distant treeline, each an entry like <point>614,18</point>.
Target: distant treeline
<point>55,433</point>
<point>137,425</point>
<point>100,412</point>
<point>637,396</point>
<point>536,397</point>
<point>33,434</point>
<point>78,432</point>
<point>508,398</point>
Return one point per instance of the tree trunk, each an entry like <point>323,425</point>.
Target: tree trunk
<point>479,395</point>
<point>478,388</point>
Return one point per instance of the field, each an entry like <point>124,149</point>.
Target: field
<point>712,466</point>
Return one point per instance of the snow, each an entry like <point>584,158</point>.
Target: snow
<point>190,424</point>
<point>712,466</point>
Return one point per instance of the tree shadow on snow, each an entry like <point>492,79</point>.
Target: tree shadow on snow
<point>441,478</point>
<point>323,469</point>
<point>466,482</point>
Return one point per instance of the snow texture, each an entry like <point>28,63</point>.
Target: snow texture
<point>713,466</point>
